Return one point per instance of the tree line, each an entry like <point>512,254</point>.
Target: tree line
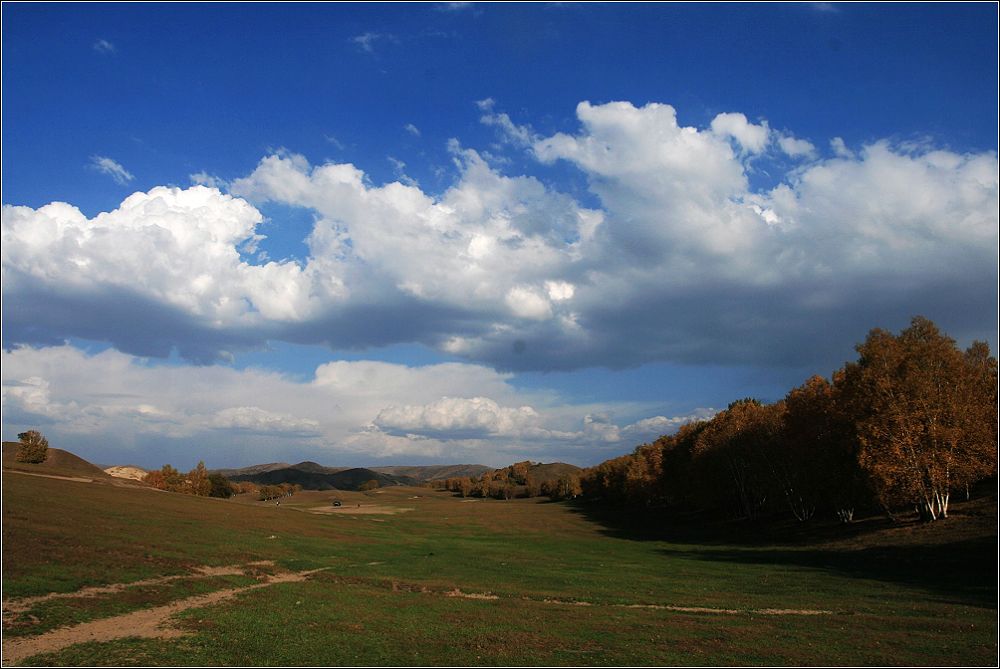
<point>910,423</point>
<point>513,481</point>
<point>200,482</point>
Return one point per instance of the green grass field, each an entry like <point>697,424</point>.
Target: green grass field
<point>450,582</point>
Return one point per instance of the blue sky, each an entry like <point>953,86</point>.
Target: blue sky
<point>411,233</point>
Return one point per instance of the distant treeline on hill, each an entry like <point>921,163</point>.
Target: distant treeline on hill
<point>557,480</point>
<point>908,424</point>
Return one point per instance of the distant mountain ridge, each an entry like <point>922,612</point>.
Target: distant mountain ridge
<point>316,477</point>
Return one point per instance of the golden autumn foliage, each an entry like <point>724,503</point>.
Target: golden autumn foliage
<point>195,482</point>
<point>32,447</point>
<point>909,423</point>
<point>924,414</point>
<point>521,479</point>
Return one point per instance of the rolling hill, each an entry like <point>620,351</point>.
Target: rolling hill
<point>60,463</point>
<point>251,470</point>
<point>542,472</point>
<point>435,472</point>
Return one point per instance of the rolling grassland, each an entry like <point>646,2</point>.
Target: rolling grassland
<point>112,575</point>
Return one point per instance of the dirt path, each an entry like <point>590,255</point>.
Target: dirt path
<point>81,479</point>
<point>399,586</point>
<point>19,605</point>
<point>148,623</point>
<point>110,480</point>
<point>152,623</point>
<point>729,612</point>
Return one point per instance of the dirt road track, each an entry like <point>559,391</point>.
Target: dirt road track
<point>149,623</point>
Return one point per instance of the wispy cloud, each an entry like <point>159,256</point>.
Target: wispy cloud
<point>203,178</point>
<point>104,46</point>
<point>412,129</point>
<point>112,168</point>
<point>334,141</point>
<point>367,41</point>
<point>399,167</point>
<point>519,135</point>
<point>457,7</point>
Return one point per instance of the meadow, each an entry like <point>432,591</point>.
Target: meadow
<point>414,576</point>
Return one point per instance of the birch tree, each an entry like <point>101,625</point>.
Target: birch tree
<point>924,415</point>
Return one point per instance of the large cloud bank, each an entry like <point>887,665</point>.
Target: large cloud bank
<point>680,259</point>
<point>346,413</point>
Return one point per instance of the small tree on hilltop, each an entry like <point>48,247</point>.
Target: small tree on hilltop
<point>32,447</point>
<point>371,484</point>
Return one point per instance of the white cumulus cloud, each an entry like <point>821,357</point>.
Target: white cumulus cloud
<point>752,138</point>
<point>796,148</point>
<point>348,412</point>
<point>470,417</point>
<point>677,257</point>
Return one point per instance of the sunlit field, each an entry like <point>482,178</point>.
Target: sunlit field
<point>415,576</point>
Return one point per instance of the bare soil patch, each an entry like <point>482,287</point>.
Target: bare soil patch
<point>364,509</point>
<point>126,472</point>
<point>19,605</point>
<point>150,623</point>
<point>470,595</point>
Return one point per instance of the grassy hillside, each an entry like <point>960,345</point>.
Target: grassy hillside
<point>435,472</point>
<point>542,472</point>
<point>252,469</point>
<point>58,463</point>
<point>417,577</point>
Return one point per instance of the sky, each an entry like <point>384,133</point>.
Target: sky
<point>470,232</point>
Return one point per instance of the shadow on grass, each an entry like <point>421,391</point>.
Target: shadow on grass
<point>961,572</point>
<point>955,559</point>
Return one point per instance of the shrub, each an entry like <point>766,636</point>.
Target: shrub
<point>32,447</point>
<point>220,486</point>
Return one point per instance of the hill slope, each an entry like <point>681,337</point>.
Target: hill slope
<point>251,470</point>
<point>435,472</point>
<point>551,471</point>
<point>59,463</point>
